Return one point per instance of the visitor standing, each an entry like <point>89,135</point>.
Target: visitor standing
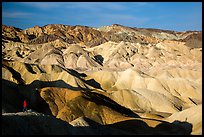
<point>24,106</point>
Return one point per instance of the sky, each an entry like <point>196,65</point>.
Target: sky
<point>177,16</point>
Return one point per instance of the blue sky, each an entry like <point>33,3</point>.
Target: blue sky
<point>178,16</point>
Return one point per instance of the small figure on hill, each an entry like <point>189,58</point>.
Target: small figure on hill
<point>24,106</point>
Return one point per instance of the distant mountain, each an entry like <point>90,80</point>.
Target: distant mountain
<point>93,37</point>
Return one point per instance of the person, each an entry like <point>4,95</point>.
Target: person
<point>24,106</point>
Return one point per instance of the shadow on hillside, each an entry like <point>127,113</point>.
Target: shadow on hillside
<point>58,83</point>
<point>16,75</point>
<point>45,125</point>
<point>135,127</point>
<point>37,103</point>
<point>90,82</point>
<point>29,68</point>
<point>13,95</point>
<point>99,59</point>
<point>103,100</point>
<point>140,127</point>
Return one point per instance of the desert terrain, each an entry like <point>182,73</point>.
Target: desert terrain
<point>112,80</point>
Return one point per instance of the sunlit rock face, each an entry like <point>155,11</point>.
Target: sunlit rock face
<point>109,80</point>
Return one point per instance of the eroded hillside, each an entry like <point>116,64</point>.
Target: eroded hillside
<point>115,79</point>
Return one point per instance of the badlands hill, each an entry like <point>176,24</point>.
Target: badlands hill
<point>112,80</point>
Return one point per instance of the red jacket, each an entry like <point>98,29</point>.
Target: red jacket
<point>24,103</point>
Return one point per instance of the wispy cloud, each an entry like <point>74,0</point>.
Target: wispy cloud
<point>142,3</point>
<point>16,14</point>
<point>97,5</point>
<point>43,5</point>
<point>123,17</point>
<point>104,19</point>
<point>76,5</point>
